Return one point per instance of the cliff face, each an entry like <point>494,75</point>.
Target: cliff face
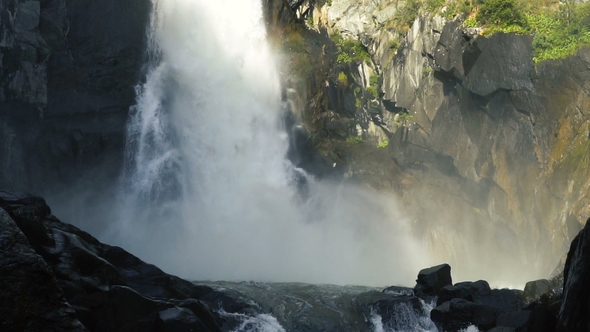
<point>480,140</point>
<point>67,74</point>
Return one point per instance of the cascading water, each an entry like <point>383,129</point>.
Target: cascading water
<point>207,191</point>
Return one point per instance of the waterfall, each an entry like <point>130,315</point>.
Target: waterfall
<point>207,191</point>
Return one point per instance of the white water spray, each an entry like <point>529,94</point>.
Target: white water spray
<point>208,192</point>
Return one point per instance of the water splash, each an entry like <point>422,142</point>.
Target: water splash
<point>405,319</point>
<point>207,191</point>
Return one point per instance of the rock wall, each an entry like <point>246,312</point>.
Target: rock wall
<point>67,74</point>
<point>488,151</point>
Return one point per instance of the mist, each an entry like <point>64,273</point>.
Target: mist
<point>208,194</point>
<point>207,191</point>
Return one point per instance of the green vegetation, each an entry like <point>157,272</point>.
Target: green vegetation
<point>434,5</point>
<point>408,13</point>
<point>358,103</point>
<point>502,16</point>
<point>405,116</point>
<point>459,7</point>
<point>502,13</point>
<point>394,45</point>
<point>373,88</point>
<point>309,20</point>
<point>350,50</point>
<point>383,144</point>
<point>470,22</point>
<point>559,30</point>
<point>354,139</point>
<point>559,34</point>
<point>342,78</point>
<point>402,119</point>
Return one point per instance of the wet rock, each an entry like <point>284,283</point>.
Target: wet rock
<point>573,315</point>
<point>401,312</point>
<point>178,320</point>
<point>31,299</point>
<point>464,290</point>
<point>505,300</point>
<point>535,289</point>
<point>105,287</point>
<point>458,314</point>
<point>399,291</point>
<point>431,280</point>
<point>515,320</point>
<point>541,319</point>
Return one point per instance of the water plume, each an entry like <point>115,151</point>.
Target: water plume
<point>207,191</point>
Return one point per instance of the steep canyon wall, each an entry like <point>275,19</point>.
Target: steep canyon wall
<point>488,151</point>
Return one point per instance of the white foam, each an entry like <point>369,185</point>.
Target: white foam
<point>208,193</point>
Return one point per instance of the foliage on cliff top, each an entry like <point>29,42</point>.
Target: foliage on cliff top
<point>559,34</point>
<point>501,12</point>
<point>559,30</point>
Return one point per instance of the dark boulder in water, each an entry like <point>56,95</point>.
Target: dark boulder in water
<point>431,280</point>
<point>506,300</point>
<point>459,314</point>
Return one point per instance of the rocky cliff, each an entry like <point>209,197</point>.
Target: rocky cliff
<point>67,74</point>
<point>471,134</point>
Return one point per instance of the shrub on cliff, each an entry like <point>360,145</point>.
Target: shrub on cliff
<point>350,50</point>
<point>501,13</point>
<point>559,34</point>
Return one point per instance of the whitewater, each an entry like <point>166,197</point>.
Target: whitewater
<point>207,192</point>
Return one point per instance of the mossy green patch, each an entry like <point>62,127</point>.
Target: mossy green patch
<point>350,50</point>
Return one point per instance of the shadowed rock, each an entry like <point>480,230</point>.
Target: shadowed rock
<point>574,315</point>
<point>59,274</point>
<point>430,281</point>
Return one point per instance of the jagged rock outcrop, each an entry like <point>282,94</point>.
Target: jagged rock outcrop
<point>67,76</point>
<point>57,277</point>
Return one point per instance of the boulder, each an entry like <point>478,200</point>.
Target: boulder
<point>535,289</point>
<point>505,300</point>
<point>431,280</point>
<point>464,290</point>
<point>458,314</point>
<point>501,62</point>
